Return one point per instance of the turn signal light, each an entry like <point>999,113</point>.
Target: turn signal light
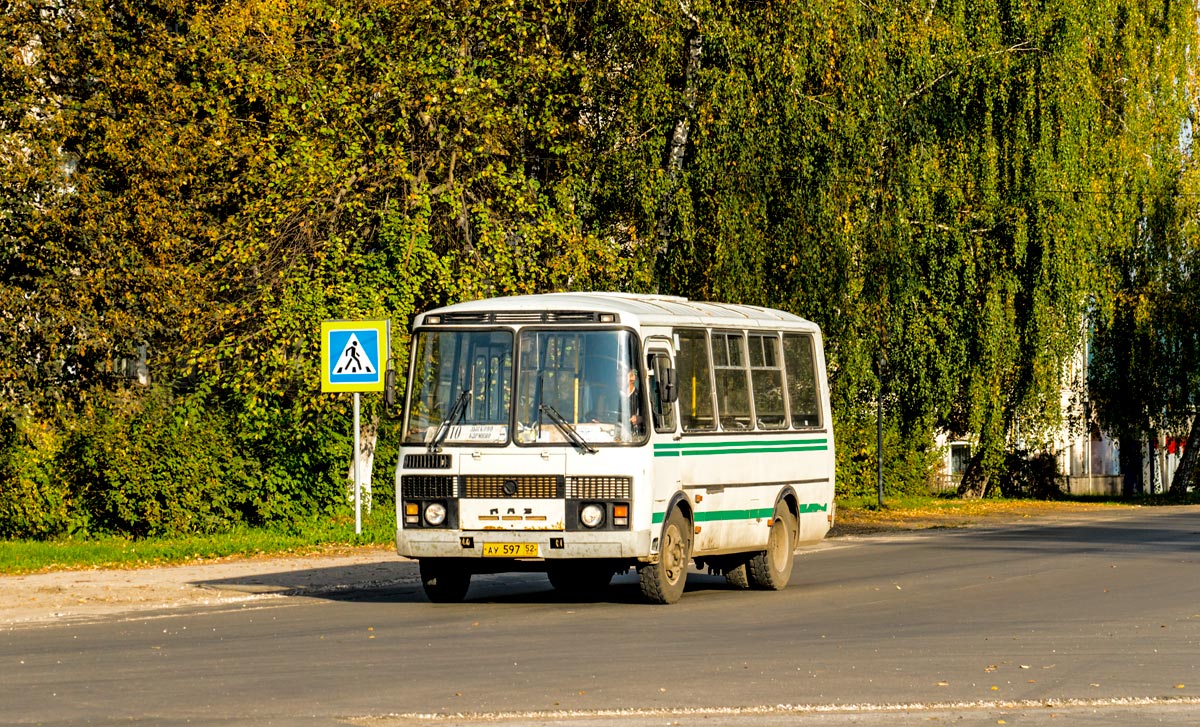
<point>411,513</point>
<point>620,515</point>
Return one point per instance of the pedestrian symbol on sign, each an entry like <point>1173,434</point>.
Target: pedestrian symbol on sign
<point>352,360</point>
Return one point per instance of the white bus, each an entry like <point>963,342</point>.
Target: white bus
<point>583,434</point>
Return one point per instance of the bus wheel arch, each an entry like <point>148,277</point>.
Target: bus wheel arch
<point>791,501</point>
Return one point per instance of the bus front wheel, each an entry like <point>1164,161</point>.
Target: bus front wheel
<point>444,579</point>
<point>663,582</point>
<point>771,569</point>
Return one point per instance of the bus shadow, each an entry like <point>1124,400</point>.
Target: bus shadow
<point>337,583</point>
<point>400,583</point>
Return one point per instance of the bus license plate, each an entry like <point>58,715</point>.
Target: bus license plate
<point>510,550</point>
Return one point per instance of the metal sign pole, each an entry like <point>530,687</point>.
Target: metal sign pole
<point>357,482</point>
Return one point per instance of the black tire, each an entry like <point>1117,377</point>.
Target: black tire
<point>771,569</point>
<point>579,578</point>
<point>663,582</point>
<point>738,577</point>
<point>444,579</point>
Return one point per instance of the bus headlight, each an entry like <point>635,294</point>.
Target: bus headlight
<point>592,515</point>
<point>435,513</point>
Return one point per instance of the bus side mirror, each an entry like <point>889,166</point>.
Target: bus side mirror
<point>389,388</point>
<point>668,389</point>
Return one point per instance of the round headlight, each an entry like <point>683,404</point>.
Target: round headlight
<point>591,515</point>
<point>435,513</point>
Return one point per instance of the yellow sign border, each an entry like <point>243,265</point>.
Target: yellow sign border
<point>329,357</point>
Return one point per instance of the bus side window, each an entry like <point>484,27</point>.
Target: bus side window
<point>733,382</point>
<point>695,382</point>
<point>664,412</point>
<point>801,380</point>
<point>766,378</point>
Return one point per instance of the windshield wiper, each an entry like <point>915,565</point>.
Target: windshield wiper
<point>569,431</point>
<point>456,413</point>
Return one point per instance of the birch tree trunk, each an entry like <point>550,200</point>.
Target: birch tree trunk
<point>368,437</point>
<point>683,125</point>
<point>1185,475</point>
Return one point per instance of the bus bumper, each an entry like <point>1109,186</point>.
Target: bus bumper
<point>551,545</point>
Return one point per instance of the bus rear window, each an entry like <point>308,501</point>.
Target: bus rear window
<point>802,380</point>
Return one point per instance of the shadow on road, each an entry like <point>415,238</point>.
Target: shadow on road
<point>400,582</point>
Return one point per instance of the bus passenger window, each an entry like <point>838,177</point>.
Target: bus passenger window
<point>802,380</point>
<point>766,378</point>
<point>733,386</point>
<point>695,383</point>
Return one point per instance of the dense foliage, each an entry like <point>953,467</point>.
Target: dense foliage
<point>946,188</point>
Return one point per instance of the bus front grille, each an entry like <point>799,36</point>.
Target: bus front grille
<point>426,461</point>
<point>426,486</point>
<point>599,488</point>
<point>512,486</point>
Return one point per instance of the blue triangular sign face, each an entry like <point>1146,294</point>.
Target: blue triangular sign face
<point>353,359</point>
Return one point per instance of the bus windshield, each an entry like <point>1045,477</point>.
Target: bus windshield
<point>590,379</point>
<point>569,382</point>
<point>470,368</point>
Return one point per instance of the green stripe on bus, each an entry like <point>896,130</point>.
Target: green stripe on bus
<point>755,514</point>
<point>740,443</point>
<point>693,449</point>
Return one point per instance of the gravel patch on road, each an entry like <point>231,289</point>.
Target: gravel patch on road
<point>83,595</point>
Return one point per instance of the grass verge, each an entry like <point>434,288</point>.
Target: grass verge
<point>318,536</point>
<point>860,516</point>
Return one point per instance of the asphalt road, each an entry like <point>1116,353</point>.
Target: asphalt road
<point>1095,620</point>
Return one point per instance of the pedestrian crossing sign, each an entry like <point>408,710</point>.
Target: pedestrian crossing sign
<point>353,355</point>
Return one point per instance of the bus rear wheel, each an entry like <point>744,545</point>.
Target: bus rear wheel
<point>771,569</point>
<point>738,576</point>
<point>445,580</point>
<point>663,582</point>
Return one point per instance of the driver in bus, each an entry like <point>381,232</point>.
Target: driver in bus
<point>632,400</point>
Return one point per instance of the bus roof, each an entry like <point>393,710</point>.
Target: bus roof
<point>631,309</point>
